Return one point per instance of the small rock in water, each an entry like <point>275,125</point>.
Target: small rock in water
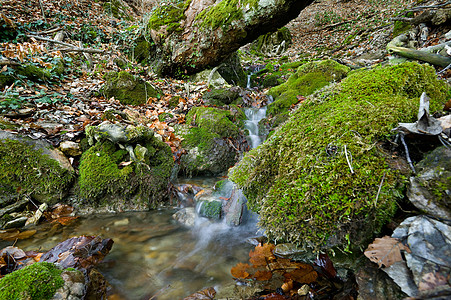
<point>185,216</point>
<point>16,223</point>
<point>123,222</point>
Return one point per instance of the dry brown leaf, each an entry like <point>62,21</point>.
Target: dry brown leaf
<point>207,294</point>
<point>385,251</point>
<point>306,274</point>
<point>262,275</point>
<point>262,255</point>
<point>430,281</point>
<point>240,271</point>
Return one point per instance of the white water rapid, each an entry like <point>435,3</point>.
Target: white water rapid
<point>254,116</point>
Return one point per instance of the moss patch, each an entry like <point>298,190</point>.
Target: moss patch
<point>308,78</point>
<point>299,179</point>
<point>169,15</point>
<point>29,171</point>
<point>36,282</point>
<point>128,89</point>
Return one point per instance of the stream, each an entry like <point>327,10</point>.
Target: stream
<point>152,253</point>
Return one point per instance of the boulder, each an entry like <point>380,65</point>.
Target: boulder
<point>319,180</point>
<point>33,167</point>
<point>126,168</point>
<point>128,89</point>
<point>232,71</point>
<point>308,78</point>
<point>208,136</point>
<point>430,189</point>
<point>273,43</point>
<point>220,97</point>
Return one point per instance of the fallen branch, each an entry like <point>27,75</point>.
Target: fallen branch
<point>72,47</point>
<point>379,190</point>
<point>407,153</point>
<point>435,59</point>
<point>87,50</point>
<point>5,62</point>
<point>418,8</point>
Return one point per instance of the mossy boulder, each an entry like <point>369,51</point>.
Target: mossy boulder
<point>273,74</point>
<point>272,43</point>
<point>33,167</point>
<point>31,72</point>
<point>38,281</point>
<point>208,135</point>
<point>308,78</point>
<point>210,209</point>
<point>143,50</point>
<point>139,183</point>
<point>128,89</point>
<point>232,71</point>
<point>220,97</point>
<point>300,179</point>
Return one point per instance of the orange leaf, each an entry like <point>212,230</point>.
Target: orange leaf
<point>385,251</point>
<point>306,274</point>
<point>263,275</point>
<point>65,220</point>
<point>240,271</point>
<point>262,255</point>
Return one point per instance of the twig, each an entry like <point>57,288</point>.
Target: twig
<point>5,62</point>
<point>47,31</point>
<point>347,159</point>
<point>428,7</point>
<point>87,50</point>
<point>379,190</point>
<point>72,48</point>
<point>42,9</point>
<point>407,153</point>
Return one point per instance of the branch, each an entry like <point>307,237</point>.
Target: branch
<point>72,47</point>
<point>5,62</point>
<point>429,7</point>
<point>432,58</point>
<point>83,50</point>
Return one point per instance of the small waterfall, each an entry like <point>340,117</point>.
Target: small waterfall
<point>254,116</point>
<point>248,85</point>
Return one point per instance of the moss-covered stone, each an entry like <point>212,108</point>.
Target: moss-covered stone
<point>128,89</point>
<point>139,185</point>
<point>206,136</point>
<point>221,97</point>
<point>211,209</point>
<point>274,75</point>
<point>142,50</point>
<point>31,167</point>
<point>168,15</point>
<point>36,282</point>
<point>300,180</point>
<point>308,78</point>
<point>232,71</point>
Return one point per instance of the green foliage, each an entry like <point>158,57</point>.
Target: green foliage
<point>300,181</point>
<point>38,281</point>
<point>223,13</point>
<point>31,172</point>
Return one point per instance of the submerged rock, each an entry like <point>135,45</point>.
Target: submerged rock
<point>33,167</point>
<point>430,189</point>
<point>320,180</point>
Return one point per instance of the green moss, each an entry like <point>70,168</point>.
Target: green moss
<point>174,101</point>
<point>308,78</point>
<point>169,15</point>
<point>115,8</point>
<point>211,209</point>
<point>224,13</point>
<point>29,171</point>
<point>99,171</point>
<point>128,89</point>
<point>304,190</point>
<point>36,282</point>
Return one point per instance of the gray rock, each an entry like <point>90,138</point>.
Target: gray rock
<point>16,223</point>
<point>430,243</point>
<point>430,190</point>
<point>74,286</point>
<point>70,148</point>
<point>185,216</point>
<point>273,43</point>
<point>235,207</point>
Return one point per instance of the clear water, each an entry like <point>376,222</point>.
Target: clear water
<point>152,253</point>
<point>254,116</point>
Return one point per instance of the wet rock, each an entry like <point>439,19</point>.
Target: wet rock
<point>211,77</point>
<point>429,262</point>
<point>221,97</point>
<point>292,251</point>
<point>210,209</point>
<point>235,207</point>
<point>70,148</point>
<point>185,216</point>
<point>16,223</point>
<point>375,284</point>
<point>430,189</point>
<point>74,286</point>
<point>97,286</point>
<point>14,207</point>
<point>232,71</point>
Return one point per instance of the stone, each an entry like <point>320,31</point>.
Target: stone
<point>211,77</point>
<point>128,89</point>
<point>430,189</point>
<point>273,43</point>
<point>429,259</point>
<point>33,167</point>
<point>70,148</point>
<point>210,209</point>
<point>185,216</point>
<point>221,97</point>
<point>16,223</point>
<point>74,286</point>
<point>235,207</point>
<point>232,71</point>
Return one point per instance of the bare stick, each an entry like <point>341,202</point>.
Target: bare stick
<point>87,50</point>
<point>347,159</point>
<point>407,153</point>
<point>9,63</point>
<point>379,190</point>
<point>72,48</point>
<point>42,8</point>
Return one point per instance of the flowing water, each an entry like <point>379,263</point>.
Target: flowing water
<point>254,116</point>
<point>152,254</point>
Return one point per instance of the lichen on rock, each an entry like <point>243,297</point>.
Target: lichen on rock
<point>128,89</point>
<point>300,179</point>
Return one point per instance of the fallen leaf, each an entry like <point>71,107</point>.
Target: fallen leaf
<point>262,255</point>
<point>240,271</point>
<point>262,275</point>
<point>431,280</point>
<point>306,274</point>
<point>385,251</point>
<point>207,294</point>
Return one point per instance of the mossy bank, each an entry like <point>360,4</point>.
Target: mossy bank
<point>300,180</point>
